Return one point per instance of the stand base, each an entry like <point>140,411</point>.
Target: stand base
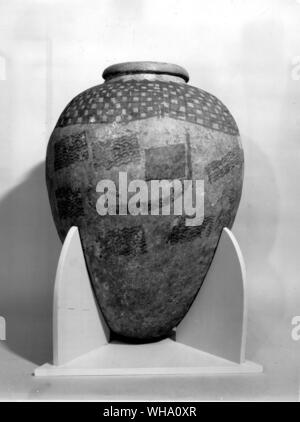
<point>165,357</point>
<point>209,340</point>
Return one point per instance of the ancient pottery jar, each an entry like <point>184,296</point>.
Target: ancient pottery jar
<point>146,123</point>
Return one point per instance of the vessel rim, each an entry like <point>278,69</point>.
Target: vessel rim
<point>160,68</point>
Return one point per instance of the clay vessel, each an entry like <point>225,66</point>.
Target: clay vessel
<point>144,121</point>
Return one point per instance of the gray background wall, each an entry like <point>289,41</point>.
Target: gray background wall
<point>245,52</point>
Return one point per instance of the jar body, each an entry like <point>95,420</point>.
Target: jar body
<point>145,269</point>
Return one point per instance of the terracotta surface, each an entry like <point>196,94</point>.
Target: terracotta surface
<point>145,270</point>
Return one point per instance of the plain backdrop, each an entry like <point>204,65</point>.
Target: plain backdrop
<point>247,53</point>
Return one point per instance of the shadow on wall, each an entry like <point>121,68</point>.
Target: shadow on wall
<point>29,249</point>
<point>263,72</point>
<point>258,214</point>
<point>257,232</point>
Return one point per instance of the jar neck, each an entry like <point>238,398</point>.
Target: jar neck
<point>153,71</point>
<point>146,76</point>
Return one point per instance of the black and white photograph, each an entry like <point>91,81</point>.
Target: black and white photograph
<point>149,203</point>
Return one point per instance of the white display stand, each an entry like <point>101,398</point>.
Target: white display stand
<point>209,340</point>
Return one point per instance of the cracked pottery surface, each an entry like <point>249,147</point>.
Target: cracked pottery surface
<point>147,269</point>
